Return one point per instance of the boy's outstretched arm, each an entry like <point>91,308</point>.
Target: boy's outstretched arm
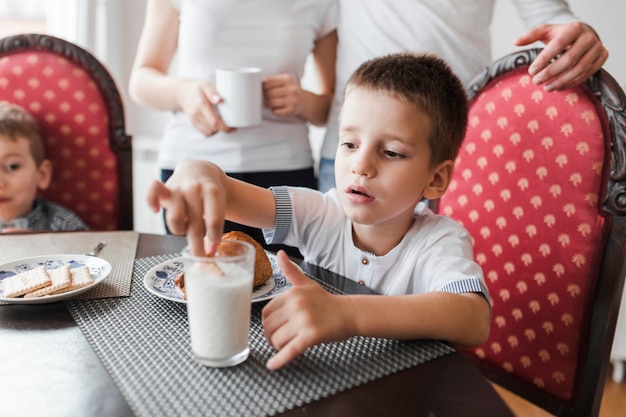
<point>199,196</point>
<point>307,315</point>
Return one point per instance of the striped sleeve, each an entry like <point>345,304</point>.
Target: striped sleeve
<point>468,285</point>
<point>283,216</point>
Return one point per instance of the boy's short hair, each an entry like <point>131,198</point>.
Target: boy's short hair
<point>426,81</point>
<point>16,122</point>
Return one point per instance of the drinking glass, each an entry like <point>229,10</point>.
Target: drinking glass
<point>219,290</point>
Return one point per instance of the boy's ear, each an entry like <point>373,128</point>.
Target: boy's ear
<point>441,177</point>
<point>44,175</point>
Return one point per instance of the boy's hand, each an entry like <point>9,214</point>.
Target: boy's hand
<point>195,202</point>
<point>582,54</point>
<point>304,316</point>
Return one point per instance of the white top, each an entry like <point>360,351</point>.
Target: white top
<point>435,255</point>
<point>456,30</point>
<point>275,35</point>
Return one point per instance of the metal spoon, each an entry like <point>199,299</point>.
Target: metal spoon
<point>96,249</point>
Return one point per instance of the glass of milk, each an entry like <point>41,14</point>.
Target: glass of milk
<point>219,291</point>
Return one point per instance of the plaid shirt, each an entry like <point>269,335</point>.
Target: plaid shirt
<point>48,216</point>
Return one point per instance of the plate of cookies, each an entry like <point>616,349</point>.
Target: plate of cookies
<point>50,278</point>
<point>166,280</point>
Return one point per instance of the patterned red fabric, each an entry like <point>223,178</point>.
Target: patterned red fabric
<point>74,122</point>
<point>526,186</point>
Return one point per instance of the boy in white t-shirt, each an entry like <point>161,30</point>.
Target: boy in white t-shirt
<point>403,120</point>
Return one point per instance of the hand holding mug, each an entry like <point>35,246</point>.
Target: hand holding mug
<point>198,100</point>
<point>282,95</point>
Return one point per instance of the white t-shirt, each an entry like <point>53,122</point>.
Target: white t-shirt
<point>456,30</point>
<point>435,255</point>
<point>275,35</point>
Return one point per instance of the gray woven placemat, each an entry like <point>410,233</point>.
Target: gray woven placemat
<point>143,342</point>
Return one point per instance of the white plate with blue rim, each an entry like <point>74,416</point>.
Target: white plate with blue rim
<point>160,281</point>
<point>99,268</point>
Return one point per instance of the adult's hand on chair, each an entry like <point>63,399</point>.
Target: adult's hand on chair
<point>572,54</point>
<point>198,100</point>
<point>195,204</point>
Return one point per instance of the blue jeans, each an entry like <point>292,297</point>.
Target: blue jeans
<point>326,175</point>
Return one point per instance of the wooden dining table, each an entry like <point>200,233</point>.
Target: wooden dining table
<point>48,368</point>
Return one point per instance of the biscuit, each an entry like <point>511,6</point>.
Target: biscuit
<point>80,277</point>
<point>60,279</point>
<point>26,282</point>
<point>210,268</point>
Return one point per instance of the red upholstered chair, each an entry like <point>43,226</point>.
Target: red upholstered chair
<point>81,115</point>
<point>540,183</point>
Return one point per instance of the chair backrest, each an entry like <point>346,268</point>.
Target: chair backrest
<point>540,183</point>
<point>81,115</point>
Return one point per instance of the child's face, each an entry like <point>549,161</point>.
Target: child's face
<point>382,166</point>
<point>20,178</point>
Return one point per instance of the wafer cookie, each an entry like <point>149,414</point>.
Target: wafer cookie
<point>60,278</point>
<point>210,268</point>
<point>26,282</point>
<point>80,277</point>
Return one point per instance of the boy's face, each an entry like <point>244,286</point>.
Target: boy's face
<point>382,166</point>
<point>20,178</point>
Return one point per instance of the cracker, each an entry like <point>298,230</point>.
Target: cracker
<point>80,277</point>
<point>210,268</point>
<point>60,278</point>
<point>26,282</point>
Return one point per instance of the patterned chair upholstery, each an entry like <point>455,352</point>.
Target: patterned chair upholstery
<point>540,183</point>
<point>81,115</point>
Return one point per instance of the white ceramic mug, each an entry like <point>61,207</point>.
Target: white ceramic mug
<point>242,92</point>
<point>219,292</point>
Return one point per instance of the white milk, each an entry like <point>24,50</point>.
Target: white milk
<point>218,308</point>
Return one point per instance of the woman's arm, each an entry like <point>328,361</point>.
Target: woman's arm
<point>149,83</point>
<point>315,107</point>
<point>285,96</point>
